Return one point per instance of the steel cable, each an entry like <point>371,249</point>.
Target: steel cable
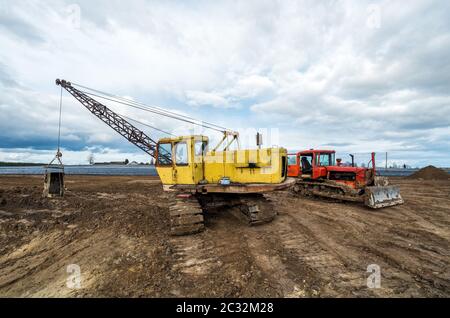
<point>152,109</point>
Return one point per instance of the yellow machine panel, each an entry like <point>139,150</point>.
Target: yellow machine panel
<point>193,164</point>
<point>246,166</point>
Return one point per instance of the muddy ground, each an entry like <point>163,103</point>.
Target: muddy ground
<point>116,230</point>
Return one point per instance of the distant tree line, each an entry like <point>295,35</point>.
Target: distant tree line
<point>91,161</point>
<point>12,164</point>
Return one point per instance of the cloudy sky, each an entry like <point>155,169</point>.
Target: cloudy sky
<point>355,75</point>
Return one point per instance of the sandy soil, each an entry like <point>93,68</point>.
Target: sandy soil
<point>116,230</point>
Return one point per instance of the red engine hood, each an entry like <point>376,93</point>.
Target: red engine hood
<point>346,169</point>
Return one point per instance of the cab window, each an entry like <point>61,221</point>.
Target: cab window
<point>306,163</point>
<point>200,148</point>
<point>165,154</point>
<point>324,159</point>
<point>292,160</point>
<point>181,154</point>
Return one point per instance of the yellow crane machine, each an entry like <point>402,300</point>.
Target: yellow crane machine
<point>197,177</point>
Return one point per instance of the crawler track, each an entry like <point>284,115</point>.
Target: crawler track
<point>186,215</point>
<point>257,209</point>
<point>253,209</point>
<point>328,190</point>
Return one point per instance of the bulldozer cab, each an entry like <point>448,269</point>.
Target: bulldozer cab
<point>300,164</point>
<point>293,168</point>
<point>311,163</point>
<point>180,160</point>
<point>306,163</point>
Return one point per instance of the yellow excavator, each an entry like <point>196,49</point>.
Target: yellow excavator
<point>199,179</point>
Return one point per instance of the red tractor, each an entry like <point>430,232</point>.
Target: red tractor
<point>318,174</point>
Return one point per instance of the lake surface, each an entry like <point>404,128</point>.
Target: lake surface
<point>109,170</point>
<point>122,170</point>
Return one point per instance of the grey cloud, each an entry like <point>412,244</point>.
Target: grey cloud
<point>19,28</point>
<point>338,144</point>
<point>312,68</point>
<point>6,79</point>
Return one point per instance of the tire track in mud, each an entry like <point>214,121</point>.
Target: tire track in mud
<point>199,254</point>
<point>402,274</point>
<point>328,273</point>
<point>394,258</point>
<point>292,261</point>
<point>347,269</point>
<point>217,259</point>
<point>193,254</point>
<point>318,239</point>
<point>32,258</point>
<point>285,277</point>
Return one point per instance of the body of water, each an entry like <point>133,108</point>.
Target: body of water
<point>108,170</point>
<point>122,170</point>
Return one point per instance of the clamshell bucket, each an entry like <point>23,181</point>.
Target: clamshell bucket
<point>54,182</point>
<point>382,196</point>
<point>54,177</point>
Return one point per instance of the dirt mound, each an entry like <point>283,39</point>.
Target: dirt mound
<point>430,173</point>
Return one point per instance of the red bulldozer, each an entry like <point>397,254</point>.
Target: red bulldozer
<point>319,174</point>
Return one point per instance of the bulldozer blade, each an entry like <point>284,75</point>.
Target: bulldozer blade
<point>379,197</point>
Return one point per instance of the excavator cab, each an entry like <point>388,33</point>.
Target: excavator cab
<point>180,160</point>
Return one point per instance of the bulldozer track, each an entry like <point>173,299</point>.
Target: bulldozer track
<point>323,189</point>
<point>307,249</point>
<point>374,197</point>
<point>193,255</point>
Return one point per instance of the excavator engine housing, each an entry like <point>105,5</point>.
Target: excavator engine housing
<point>187,160</point>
